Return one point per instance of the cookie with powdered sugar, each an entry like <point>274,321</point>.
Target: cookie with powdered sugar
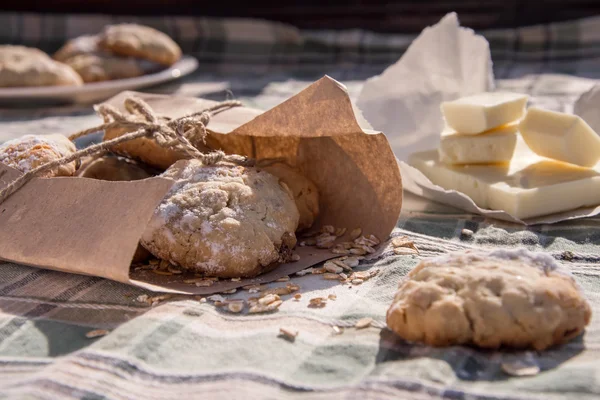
<point>223,220</point>
<point>512,298</point>
<point>31,151</point>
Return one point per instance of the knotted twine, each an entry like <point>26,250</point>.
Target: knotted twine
<point>141,121</point>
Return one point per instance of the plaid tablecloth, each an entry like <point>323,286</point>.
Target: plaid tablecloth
<point>181,348</point>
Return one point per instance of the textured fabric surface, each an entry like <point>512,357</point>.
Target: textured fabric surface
<point>181,348</point>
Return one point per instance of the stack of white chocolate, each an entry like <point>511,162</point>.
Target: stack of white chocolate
<point>528,163</point>
<point>481,129</point>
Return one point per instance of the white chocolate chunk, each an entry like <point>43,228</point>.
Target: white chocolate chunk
<point>527,187</point>
<point>495,146</point>
<point>560,136</point>
<point>481,112</point>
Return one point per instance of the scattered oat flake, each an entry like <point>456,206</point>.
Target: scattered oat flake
<point>357,281</point>
<point>174,270</point>
<point>200,281</point>
<point>374,239</point>
<point>467,233</point>
<point>332,296</point>
<point>235,306</point>
<point>230,291</point>
<point>521,368</point>
<point>331,277</point>
<point>305,272</point>
<point>292,287</point>
<point>317,271</point>
<point>279,291</point>
<point>404,241</point>
<point>404,251</point>
<point>317,302</point>
<point>257,308</point>
<point>352,262</point>
<point>325,244</point>
<point>297,296</point>
<point>274,305</point>
<point>142,298</point>
<point>216,297</point>
<point>253,290</point>
<point>333,268</point>
<point>363,323</point>
<point>268,299</point>
<point>358,251</point>
<point>96,333</point>
<point>361,275</point>
<point>355,233</point>
<point>283,279</point>
<point>339,250</point>
<point>327,229</point>
<point>288,333</point>
<point>337,330</point>
<point>343,276</point>
<point>236,279</point>
<point>161,272</point>
<point>340,232</point>
<point>295,257</point>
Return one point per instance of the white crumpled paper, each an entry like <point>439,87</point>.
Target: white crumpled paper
<point>587,107</point>
<point>445,62</point>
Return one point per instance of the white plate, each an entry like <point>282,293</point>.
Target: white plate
<point>97,91</point>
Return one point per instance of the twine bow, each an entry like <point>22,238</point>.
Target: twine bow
<point>141,121</point>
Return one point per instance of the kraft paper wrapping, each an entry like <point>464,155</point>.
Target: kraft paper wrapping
<point>93,227</point>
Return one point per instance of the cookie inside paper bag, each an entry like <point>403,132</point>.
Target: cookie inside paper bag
<point>316,132</point>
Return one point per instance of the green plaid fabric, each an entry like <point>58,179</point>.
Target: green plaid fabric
<point>182,348</point>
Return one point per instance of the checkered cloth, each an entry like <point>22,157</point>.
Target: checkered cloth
<point>182,348</point>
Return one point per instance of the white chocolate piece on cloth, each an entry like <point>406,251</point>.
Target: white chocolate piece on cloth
<point>560,136</point>
<point>478,113</point>
<point>223,220</point>
<point>31,151</point>
<point>512,298</point>
<point>494,146</point>
<point>527,187</point>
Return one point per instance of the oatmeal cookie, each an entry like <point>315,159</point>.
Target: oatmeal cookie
<point>140,41</point>
<point>114,168</point>
<point>223,220</point>
<point>24,66</point>
<point>304,190</point>
<point>146,150</point>
<point>31,151</point>
<point>95,65</point>
<point>511,298</point>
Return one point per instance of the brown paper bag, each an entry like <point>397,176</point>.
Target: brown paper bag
<point>93,227</point>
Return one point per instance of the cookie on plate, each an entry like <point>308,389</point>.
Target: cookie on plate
<point>140,41</point>
<point>96,65</point>
<point>223,220</point>
<point>511,298</point>
<point>24,66</point>
<point>304,190</point>
<point>31,151</point>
